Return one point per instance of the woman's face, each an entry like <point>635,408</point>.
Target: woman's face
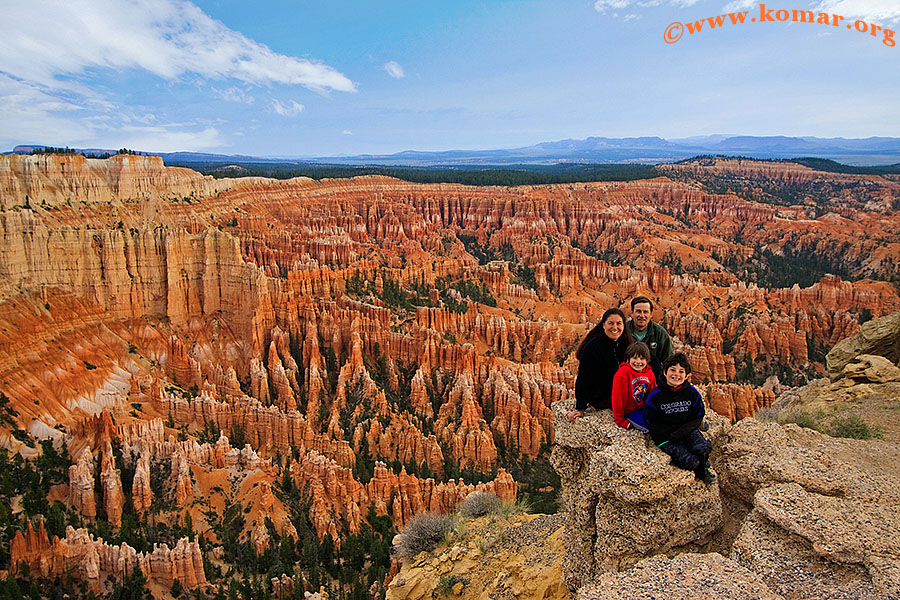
<point>613,327</point>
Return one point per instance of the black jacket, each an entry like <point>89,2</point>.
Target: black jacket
<point>600,359</point>
<point>671,414</point>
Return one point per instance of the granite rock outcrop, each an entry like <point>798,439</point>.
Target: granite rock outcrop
<point>685,577</point>
<point>624,501</point>
<point>797,513</point>
<point>880,337</point>
<point>821,520</point>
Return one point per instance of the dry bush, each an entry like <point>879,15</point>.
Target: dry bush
<point>478,504</point>
<point>423,533</point>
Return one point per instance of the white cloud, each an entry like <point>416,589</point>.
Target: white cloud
<point>32,114</point>
<point>347,132</point>
<point>394,69</point>
<point>737,5</point>
<point>874,11</point>
<point>162,139</point>
<point>54,52</point>
<point>603,6</point>
<point>234,94</point>
<point>40,41</point>
<point>287,109</point>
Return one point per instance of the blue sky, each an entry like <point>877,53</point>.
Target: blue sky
<point>312,78</point>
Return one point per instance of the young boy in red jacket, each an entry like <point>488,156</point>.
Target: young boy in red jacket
<point>632,383</point>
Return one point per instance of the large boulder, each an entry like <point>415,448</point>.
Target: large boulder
<point>817,516</point>
<point>863,403</point>
<point>797,513</point>
<point>878,336</point>
<point>871,368</point>
<point>808,546</point>
<point>624,500</point>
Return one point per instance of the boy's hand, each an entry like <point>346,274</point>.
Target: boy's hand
<point>574,414</point>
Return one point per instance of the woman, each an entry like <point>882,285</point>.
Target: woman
<point>600,353</point>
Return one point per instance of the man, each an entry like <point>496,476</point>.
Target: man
<point>643,329</point>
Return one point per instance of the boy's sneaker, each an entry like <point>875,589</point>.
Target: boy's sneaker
<point>704,474</point>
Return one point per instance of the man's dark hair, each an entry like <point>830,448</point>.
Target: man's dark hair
<point>639,299</point>
<point>638,349</point>
<point>679,358</point>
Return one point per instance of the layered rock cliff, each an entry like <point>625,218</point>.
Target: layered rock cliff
<point>50,181</point>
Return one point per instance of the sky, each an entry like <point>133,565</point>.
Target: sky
<point>345,77</point>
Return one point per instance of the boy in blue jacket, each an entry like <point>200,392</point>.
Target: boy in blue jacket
<point>673,413</point>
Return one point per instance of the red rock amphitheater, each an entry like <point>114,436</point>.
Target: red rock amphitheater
<point>377,342</point>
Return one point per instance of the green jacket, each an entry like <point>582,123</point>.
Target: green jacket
<point>660,345</point>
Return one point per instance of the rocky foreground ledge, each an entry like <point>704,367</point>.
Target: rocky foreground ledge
<point>623,499</point>
<point>794,514</point>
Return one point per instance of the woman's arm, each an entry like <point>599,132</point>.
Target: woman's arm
<point>574,414</point>
<point>587,381</point>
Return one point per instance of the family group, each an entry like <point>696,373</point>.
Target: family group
<point>629,366</point>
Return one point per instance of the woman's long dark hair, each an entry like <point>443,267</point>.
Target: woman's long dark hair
<point>597,331</point>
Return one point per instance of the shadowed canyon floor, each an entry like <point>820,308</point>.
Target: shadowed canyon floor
<point>229,382</point>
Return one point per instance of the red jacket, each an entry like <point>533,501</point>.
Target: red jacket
<point>630,389</point>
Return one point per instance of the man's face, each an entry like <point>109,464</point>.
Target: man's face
<point>641,314</point>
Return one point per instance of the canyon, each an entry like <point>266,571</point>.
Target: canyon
<point>794,513</point>
<point>201,347</point>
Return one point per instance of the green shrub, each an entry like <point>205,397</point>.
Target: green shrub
<point>446,583</point>
<point>423,533</point>
<point>801,418</point>
<point>478,504</point>
<point>23,436</point>
<point>853,427</point>
<point>521,506</point>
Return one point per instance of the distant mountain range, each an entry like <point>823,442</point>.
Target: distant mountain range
<point>852,151</point>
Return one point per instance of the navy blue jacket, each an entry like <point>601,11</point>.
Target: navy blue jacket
<point>671,414</point>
